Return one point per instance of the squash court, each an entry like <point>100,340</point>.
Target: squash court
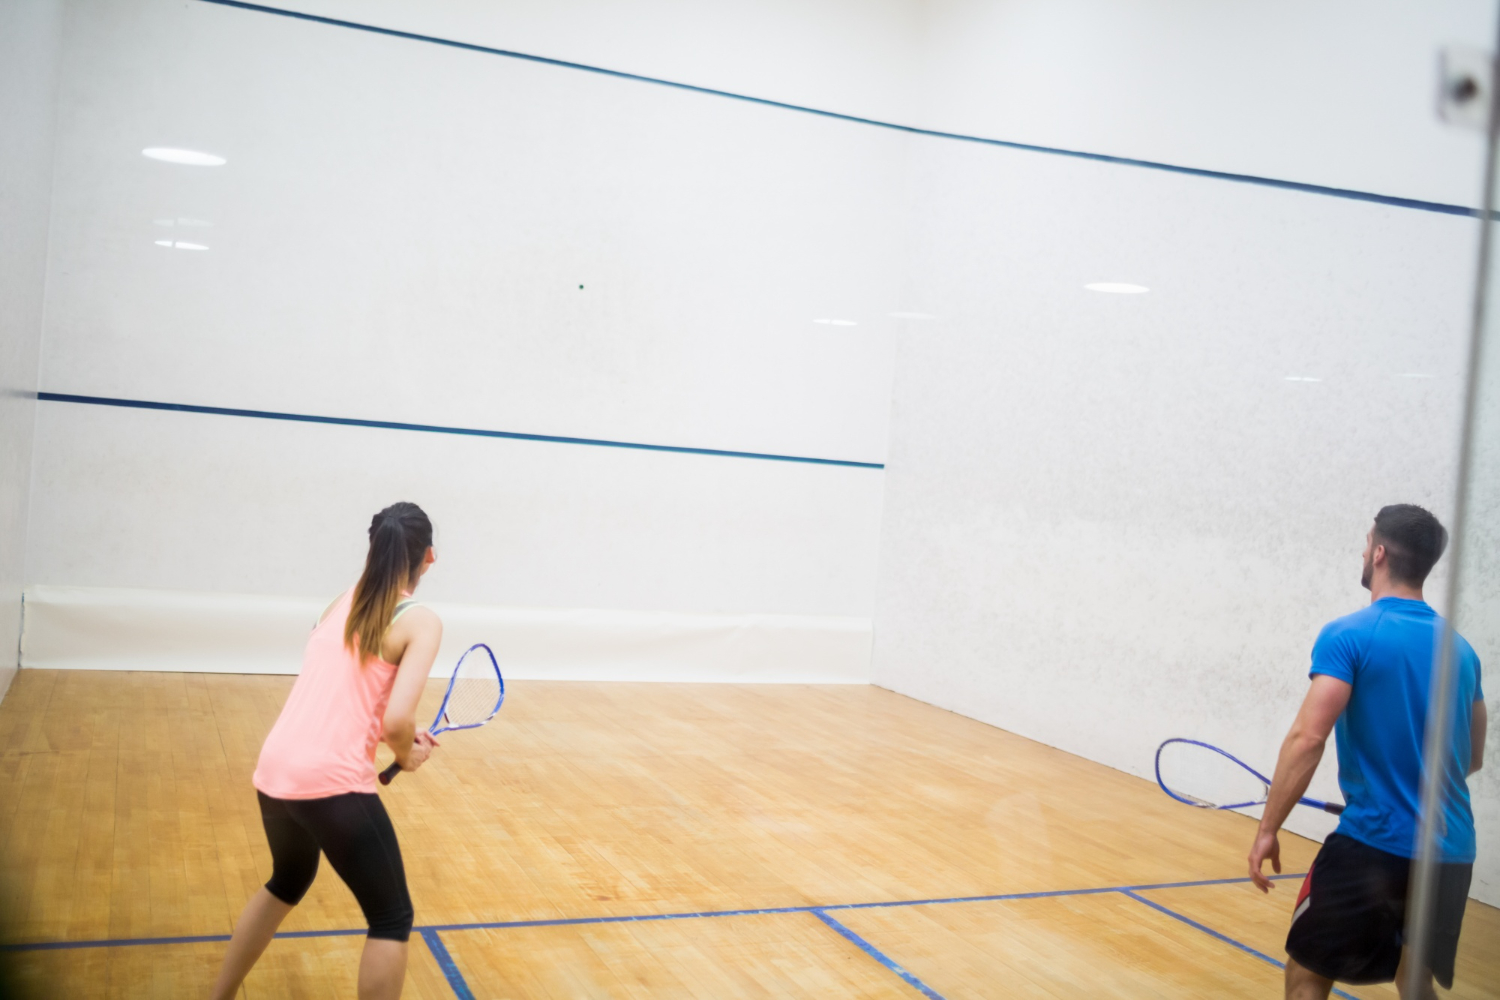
<point>758,824</point>
<point>920,467</point>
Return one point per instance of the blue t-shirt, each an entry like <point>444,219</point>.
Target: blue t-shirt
<point>1386,653</point>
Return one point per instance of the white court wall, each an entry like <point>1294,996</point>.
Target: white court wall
<point>90,628</point>
<point>1112,519</point>
<point>29,41</point>
<point>850,56</point>
<point>1332,92</point>
<point>1477,611</point>
<point>409,232</point>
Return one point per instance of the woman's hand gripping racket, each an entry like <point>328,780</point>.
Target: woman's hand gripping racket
<point>1197,774</point>
<point>475,693</point>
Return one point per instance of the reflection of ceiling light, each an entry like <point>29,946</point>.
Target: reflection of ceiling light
<point>836,322</point>
<point>1302,378</point>
<point>178,244</point>
<point>187,157</point>
<point>1117,288</point>
<point>907,315</point>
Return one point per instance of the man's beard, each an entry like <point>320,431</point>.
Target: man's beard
<point>1369,572</point>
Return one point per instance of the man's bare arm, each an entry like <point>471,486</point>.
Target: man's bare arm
<point>1300,753</point>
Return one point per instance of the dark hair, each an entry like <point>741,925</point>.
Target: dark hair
<point>399,538</point>
<point>1414,540</point>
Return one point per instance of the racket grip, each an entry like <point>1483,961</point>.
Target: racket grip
<point>389,773</point>
<point>1333,807</point>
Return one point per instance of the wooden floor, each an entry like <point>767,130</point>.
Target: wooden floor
<point>126,813</point>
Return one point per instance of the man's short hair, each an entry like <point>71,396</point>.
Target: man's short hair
<point>1414,540</point>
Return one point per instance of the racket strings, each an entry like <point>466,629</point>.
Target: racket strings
<point>475,693</point>
<point>472,699</point>
<point>1206,777</point>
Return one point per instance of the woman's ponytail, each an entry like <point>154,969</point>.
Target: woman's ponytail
<point>399,538</point>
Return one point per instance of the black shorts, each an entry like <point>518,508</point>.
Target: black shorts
<point>356,834</point>
<point>1350,919</point>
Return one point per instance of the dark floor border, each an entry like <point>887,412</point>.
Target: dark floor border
<point>223,411</point>
<point>1125,161</point>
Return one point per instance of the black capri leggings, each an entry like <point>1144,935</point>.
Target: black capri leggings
<point>356,834</point>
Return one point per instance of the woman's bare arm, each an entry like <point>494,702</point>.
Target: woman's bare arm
<point>417,634</point>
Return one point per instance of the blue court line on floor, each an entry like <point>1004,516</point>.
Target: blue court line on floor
<point>1124,161</point>
<point>641,918</point>
<point>644,917</point>
<point>1213,933</point>
<point>1047,894</point>
<point>222,411</point>
<point>879,956</point>
<point>938,901</point>
<point>446,963</point>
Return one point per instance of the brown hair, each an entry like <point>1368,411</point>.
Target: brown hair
<point>399,538</point>
<point>1414,540</point>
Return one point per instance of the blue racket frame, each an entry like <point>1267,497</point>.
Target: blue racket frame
<point>437,726</point>
<point>437,723</point>
<point>1329,807</point>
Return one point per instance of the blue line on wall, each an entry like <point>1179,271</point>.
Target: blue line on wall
<point>879,956</point>
<point>222,411</point>
<point>1125,161</point>
<point>446,963</point>
<point>1222,937</point>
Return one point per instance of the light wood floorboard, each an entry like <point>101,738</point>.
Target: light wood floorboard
<point>1260,921</point>
<point>322,968</point>
<point>126,811</point>
<point>1105,945</point>
<point>784,955</point>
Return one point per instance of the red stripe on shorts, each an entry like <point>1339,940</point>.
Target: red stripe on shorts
<point>1306,887</point>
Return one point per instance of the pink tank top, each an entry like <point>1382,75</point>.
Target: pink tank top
<point>323,742</point>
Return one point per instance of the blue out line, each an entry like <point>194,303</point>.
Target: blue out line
<point>455,979</point>
<point>223,411</point>
<point>446,963</point>
<point>631,919</point>
<point>879,956</point>
<point>1047,894</point>
<point>646,917</point>
<point>1125,161</point>
<point>1213,933</point>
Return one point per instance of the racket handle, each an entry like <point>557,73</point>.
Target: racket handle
<point>1333,807</point>
<point>389,773</point>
